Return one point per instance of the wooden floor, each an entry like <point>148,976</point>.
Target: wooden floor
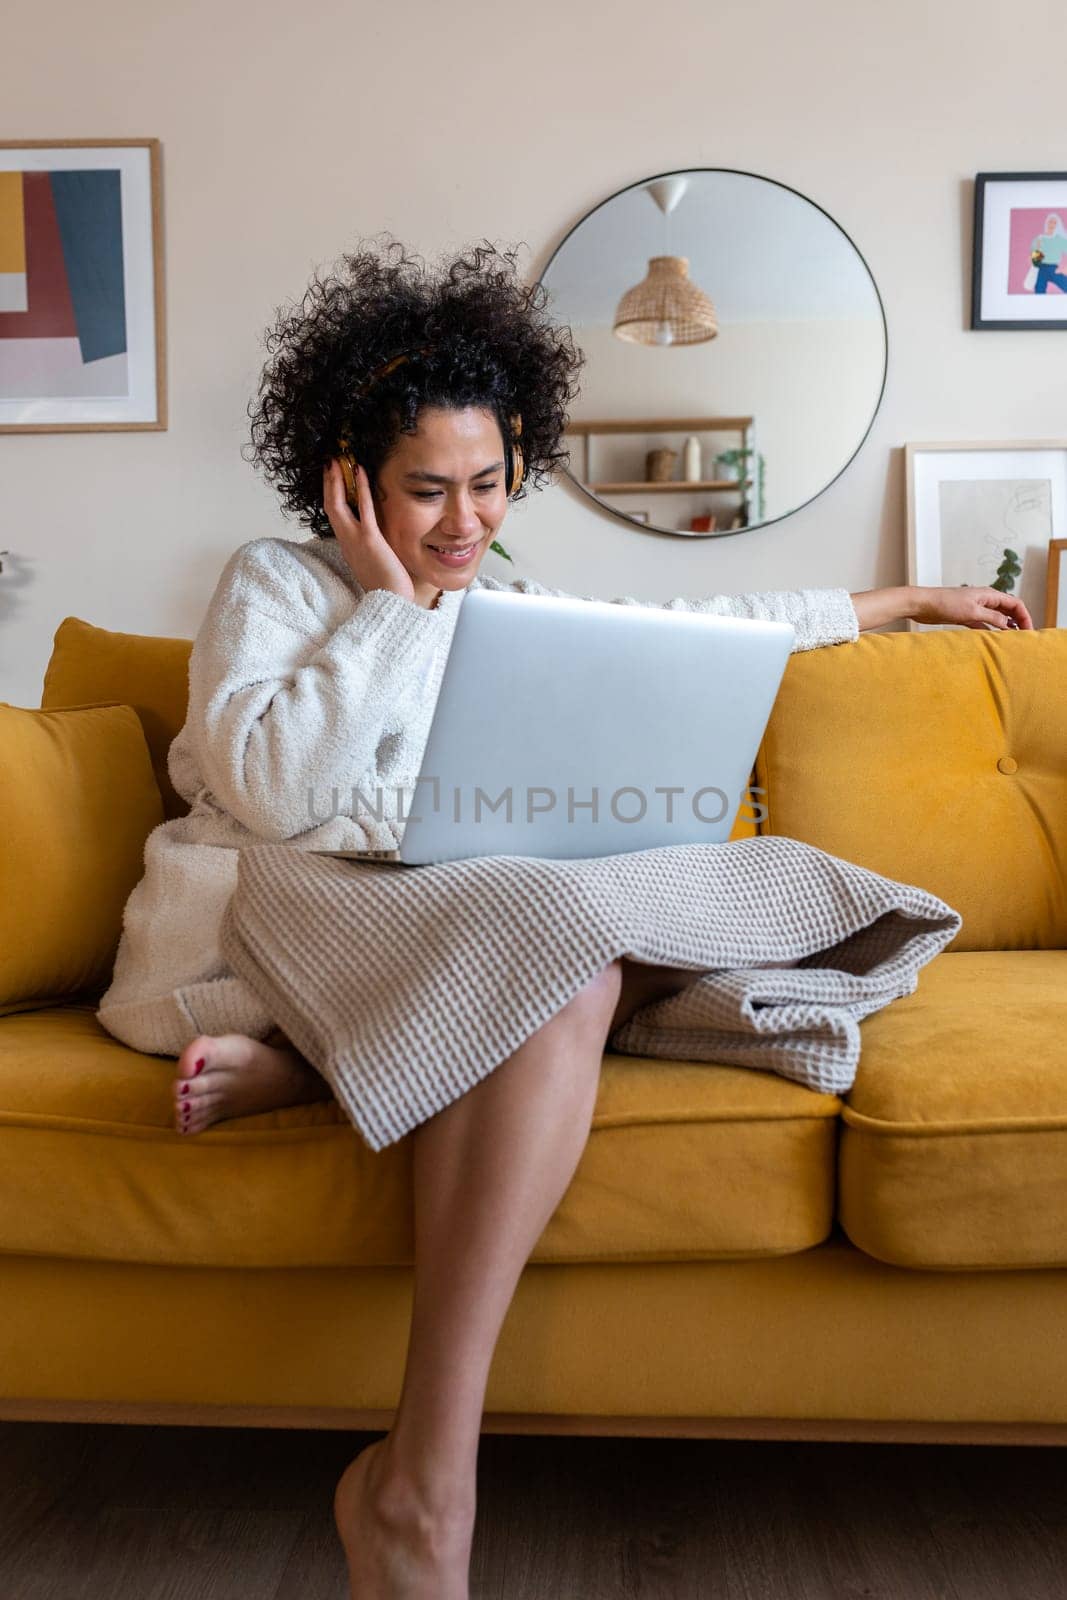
<point>98,1512</point>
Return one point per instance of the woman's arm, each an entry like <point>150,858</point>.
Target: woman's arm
<point>967,606</point>
<point>830,616</point>
<point>278,703</point>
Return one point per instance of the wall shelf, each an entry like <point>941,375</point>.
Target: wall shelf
<point>672,486</point>
<point>589,429</point>
<point>665,425</point>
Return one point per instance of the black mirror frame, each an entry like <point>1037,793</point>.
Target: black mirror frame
<point>755,527</point>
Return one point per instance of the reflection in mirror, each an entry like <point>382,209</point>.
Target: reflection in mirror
<point>735,348</point>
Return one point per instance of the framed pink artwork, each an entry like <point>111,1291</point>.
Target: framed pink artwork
<point>1019,271</point>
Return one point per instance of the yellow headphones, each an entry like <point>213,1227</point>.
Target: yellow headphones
<point>514,462</point>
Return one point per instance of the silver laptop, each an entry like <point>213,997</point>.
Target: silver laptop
<point>568,728</point>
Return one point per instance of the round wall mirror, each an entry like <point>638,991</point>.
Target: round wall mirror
<point>735,346</point>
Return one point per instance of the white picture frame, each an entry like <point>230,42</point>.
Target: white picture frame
<point>82,340</point>
<point>970,501</point>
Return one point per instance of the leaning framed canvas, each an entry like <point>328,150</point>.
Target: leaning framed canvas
<point>81,285</point>
<point>1019,270</point>
<point>1056,589</point>
<point>985,514</point>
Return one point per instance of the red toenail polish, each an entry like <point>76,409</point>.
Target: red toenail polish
<point>185,1088</point>
<point>198,1066</point>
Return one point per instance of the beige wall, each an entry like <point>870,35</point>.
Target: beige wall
<point>288,131</point>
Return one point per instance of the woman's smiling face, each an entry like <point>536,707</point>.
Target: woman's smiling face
<point>443,485</point>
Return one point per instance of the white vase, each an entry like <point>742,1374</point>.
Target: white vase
<point>692,459</point>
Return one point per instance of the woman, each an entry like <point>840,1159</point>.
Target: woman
<point>320,659</point>
<point>1047,253</point>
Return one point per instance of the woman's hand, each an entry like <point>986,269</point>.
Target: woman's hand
<point>970,607</point>
<point>372,560</point>
<point>967,606</point>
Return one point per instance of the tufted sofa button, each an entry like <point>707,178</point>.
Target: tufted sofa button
<point>1007,764</point>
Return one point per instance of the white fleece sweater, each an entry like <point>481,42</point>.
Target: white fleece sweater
<point>300,680</point>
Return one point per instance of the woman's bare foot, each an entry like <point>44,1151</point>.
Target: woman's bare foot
<point>397,1548</point>
<point>231,1075</point>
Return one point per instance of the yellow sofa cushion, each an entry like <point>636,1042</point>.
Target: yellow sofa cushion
<point>938,759</point>
<point>150,674</point>
<point>684,1161</point>
<point>77,800</point>
<point>954,1145</point>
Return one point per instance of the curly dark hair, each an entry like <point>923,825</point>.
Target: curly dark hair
<point>492,346</point>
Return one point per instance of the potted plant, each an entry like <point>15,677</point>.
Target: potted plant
<point>733,465</point>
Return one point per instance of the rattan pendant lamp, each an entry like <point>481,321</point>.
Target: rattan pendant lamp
<point>666,307</point>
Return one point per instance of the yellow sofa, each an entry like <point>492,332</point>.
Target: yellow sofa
<point>736,1255</point>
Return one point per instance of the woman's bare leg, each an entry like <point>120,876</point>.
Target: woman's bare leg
<point>488,1172</point>
<point>642,984</point>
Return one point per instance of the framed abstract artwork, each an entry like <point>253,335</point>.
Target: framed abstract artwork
<point>986,514</point>
<point>1056,589</point>
<point>1019,272</point>
<point>81,286</point>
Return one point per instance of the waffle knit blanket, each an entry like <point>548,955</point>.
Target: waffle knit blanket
<point>405,986</point>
